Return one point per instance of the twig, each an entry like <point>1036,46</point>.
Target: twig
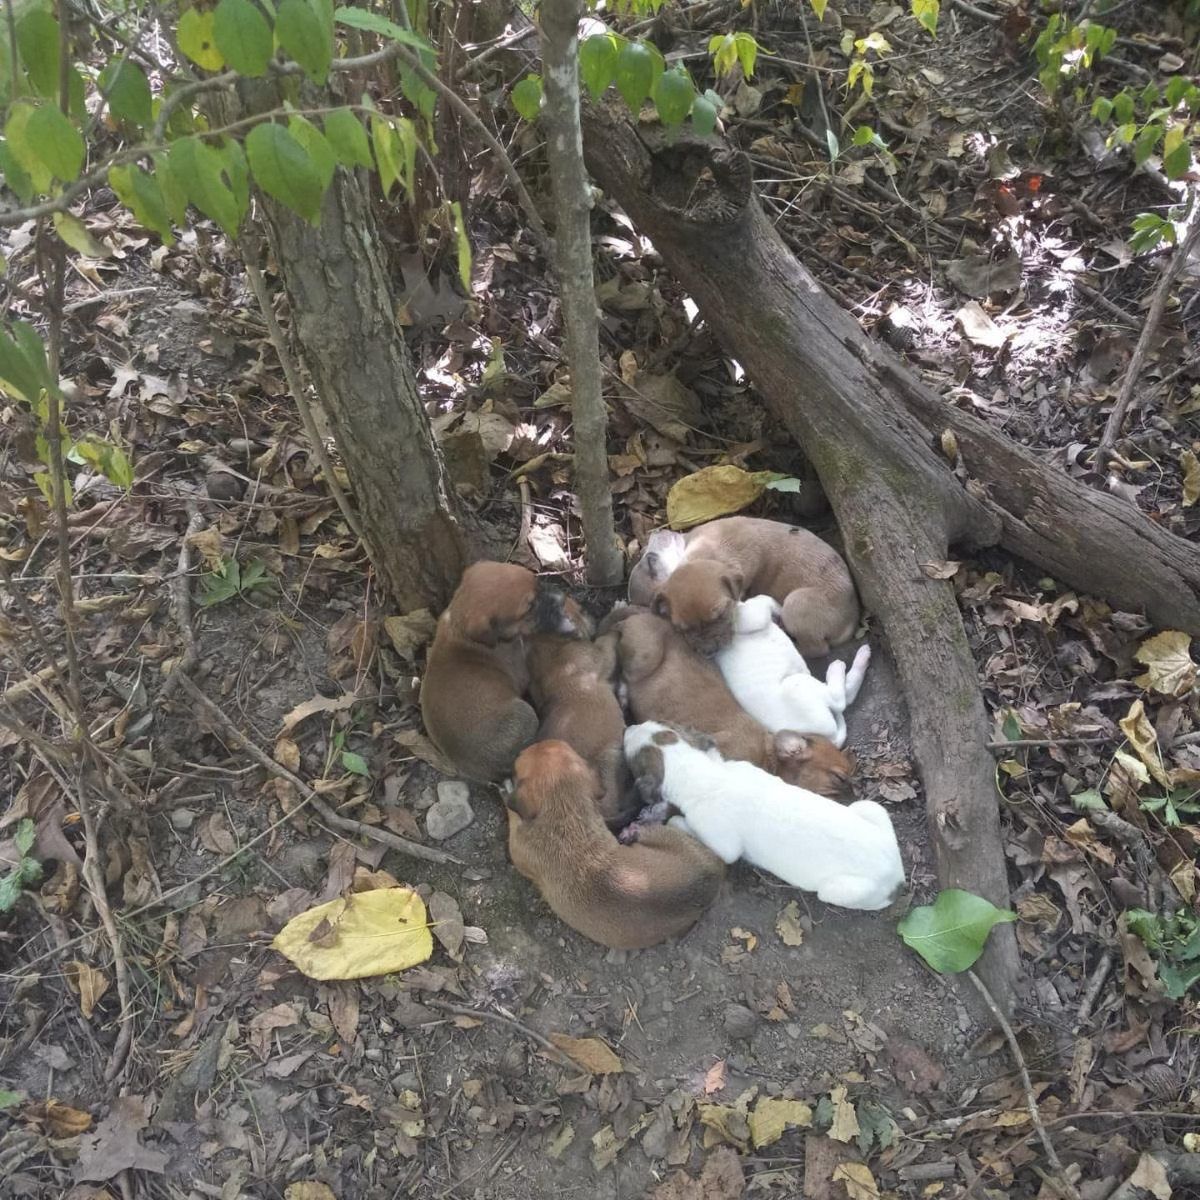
<point>181,604</point>
<point>1094,984</point>
<point>1101,299</point>
<point>1063,741</point>
<point>250,248</point>
<point>990,18</point>
<point>503,1018</point>
<point>384,836</point>
<point>1158,306</point>
<point>1062,1183</point>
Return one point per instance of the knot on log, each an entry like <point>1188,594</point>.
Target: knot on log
<point>701,183</point>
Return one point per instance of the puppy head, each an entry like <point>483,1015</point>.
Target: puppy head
<point>814,763</point>
<point>700,599</point>
<point>494,602</point>
<point>545,770</point>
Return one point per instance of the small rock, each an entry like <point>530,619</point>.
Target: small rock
<point>451,814</point>
<point>740,1022</point>
<point>220,485</point>
<point>183,819</point>
<point>425,799</point>
<point>454,789</point>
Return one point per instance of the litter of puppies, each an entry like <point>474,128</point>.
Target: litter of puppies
<point>727,729</point>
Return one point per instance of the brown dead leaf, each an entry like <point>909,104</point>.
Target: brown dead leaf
<point>1190,465</point>
<point>713,492</point>
<point>1137,728</point>
<point>88,984</point>
<point>447,922</point>
<point>714,1077</point>
<point>309,1190</point>
<point>1081,834</point>
<point>59,1120</point>
<point>410,632</point>
<point>1168,657</point>
<point>210,545</point>
<point>788,926</point>
<point>1039,909</point>
<point>113,1146</point>
<point>287,754</point>
<point>860,1183</point>
<point>593,1055</point>
<point>215,836</point>
<point>979,328</point>
<point>605,1148</point>
<point>941,569</point>
<point>421,747</point>
<point>318,704</point>
<point>263,1024</point>
<point>343,1010</point>
<point>1150,1175</point>
<point>666,404</point>
<point>724,1122</point>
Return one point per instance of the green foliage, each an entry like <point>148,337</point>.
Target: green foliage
<point>638,65</point>
<point>27,871</point>
<point>926,13</point>
<point>395,143</point>
<point>1177,803</point>
<point>950,933</point>
<point>243,36</point>
<point>598,62</point>
<point>673,95</point>
<point>128,91</point>
<point>358,18</point>
<point>1063,49</point>
<point>345,134</point>
<point>861,70</point>
<point>463,245</point>
<point>229,580</point>
<point>142,194</point>
<point>819,7</point>
<point>205,175</point>
<point>705,110</point>
<point>527,96</point>
<point>285,171</point>
<point>24,372</point>
<point>1174,940</point>
<point>196,37</point>
<point>306,36</point>
<point>730,49</point>
<point>355,764</point>
<point>107,458</point>
<point>37,43</point>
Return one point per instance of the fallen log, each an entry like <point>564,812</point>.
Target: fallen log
<point>873,431</point>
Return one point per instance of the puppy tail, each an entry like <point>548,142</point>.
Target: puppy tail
<point>857,673</point>
<point>837,685</point>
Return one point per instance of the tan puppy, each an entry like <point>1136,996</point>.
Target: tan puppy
<point>620,896</point>
<point>734,557</point>
<point>571,684</point>
<point>475,675</point>
<point>669,682</point>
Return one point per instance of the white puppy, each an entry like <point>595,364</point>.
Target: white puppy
<point>771,681</point>
<point>847,855</point>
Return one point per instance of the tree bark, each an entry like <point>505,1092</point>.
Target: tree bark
<point>344,320</point>
<point>870,428</point>
<point>573,252</point>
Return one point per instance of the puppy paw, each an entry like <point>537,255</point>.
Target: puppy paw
<point>653,814</point>
<point>648,789</point>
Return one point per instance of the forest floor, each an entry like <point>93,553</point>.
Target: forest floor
<point>993,251</point>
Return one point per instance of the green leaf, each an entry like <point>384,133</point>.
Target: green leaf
<point>1177,154</point>
<point>355,763</point>
<point>141,194</point>
<point>1102,108</point>
<point>926,13</point>
<point>831,141</point>
<point>319,150</point>
<point>10,891</point>
<point>75,233</point>
<point>1177,87</point>
<point>10,1099</point>
<point>387,152</point>
<point>358,18</point>
<point>37,40</point>
<point>598,62</point>
<point>194,34</point>
<point>16,178</point>
<point>109,459</point>
<point>23,839</point>
<point>464,245</point>
<point>1123,107</point>
<point>785,483</point>
<point>864,135</point>
<point>56,142</point>
<point>1178,980</point>
<point>200,171</point>
<point>1011,728</point>
<point>747,52</point>
<point>285,170</point>
<point>346,135</point>
<point>128,92</point>
<point>304,35</point>
<point>174,195</point>
<point>1090,798</point>
<point>243,36</point>
<point>23,370</point>
<point>950,933</point>
<point>819,7</point>
<point>722,48</point>
<point>673,96</point>
<point>29,871</point>
<point>527,97</point>
<point>635,74</point>
<point>704,114</point>
<point>1145,142</point>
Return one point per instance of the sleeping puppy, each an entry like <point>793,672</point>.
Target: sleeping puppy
<point>771,681</point>
<point>745,556</point>
<point>571,684</point>
<point>663,553</point>
<point>475,675</point>
<point>620,896</point>
<point>847,855</point>
<point>665,680</point>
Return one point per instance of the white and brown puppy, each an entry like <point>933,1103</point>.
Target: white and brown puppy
<point>475,676</point>
<point>572,685</point>
<point>848,854</point>
<point>746,556</point>
<point>666,680</point>
<point>771,681</point>
<point>620,896</point>
<point>664,552</point>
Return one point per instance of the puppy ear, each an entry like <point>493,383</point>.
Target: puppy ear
<point>792,745</point>
<point>525,805</point>
<point>733,583</point>
<point>654,565</point>
<point>662,606</point>
<point>480,627</point>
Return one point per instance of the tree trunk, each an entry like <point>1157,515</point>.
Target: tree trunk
<point>872,429</point>
<point>573,252</point>
<point>344,321</point>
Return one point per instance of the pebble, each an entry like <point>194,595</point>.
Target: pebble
<point>740,1022</point>
<point>450,814</point>
<point>183,819</point>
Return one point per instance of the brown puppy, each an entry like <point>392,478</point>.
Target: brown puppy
<point>736,557</point>
<point>571,684</point>
<point>619,896</point>
<point>668,681</point>
<point>475,675</point>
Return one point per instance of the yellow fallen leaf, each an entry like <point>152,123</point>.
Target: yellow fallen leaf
<point>368,933</point>
<point>90,985</point>
<point>308,1190</point>
<point>605,1148</point>
<point>771,1117</point>
<point>287,754</point>
<point>788,926</point>
<point>845,1119</point>
<point>1010,1118</point>
<point>1183,876</point>
<point>860,1183</point>
<point>724,1123</point>
<point>1190,465</point>
<point>590,1053</point>
<point>1137,728</point>
<point>1171,669</point>
<point>210,544</point>
<point>713,492</point>
<point>411,631</point>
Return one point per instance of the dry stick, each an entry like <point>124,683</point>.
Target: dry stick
<point>250,256</point>
<point>383,836</point>
<point>1092,991</point>
<point>1063,741</point>
<point>504,1018</point>
<point>1063,1184</point>
<point>181,604</point>
<point>1158,306</point>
